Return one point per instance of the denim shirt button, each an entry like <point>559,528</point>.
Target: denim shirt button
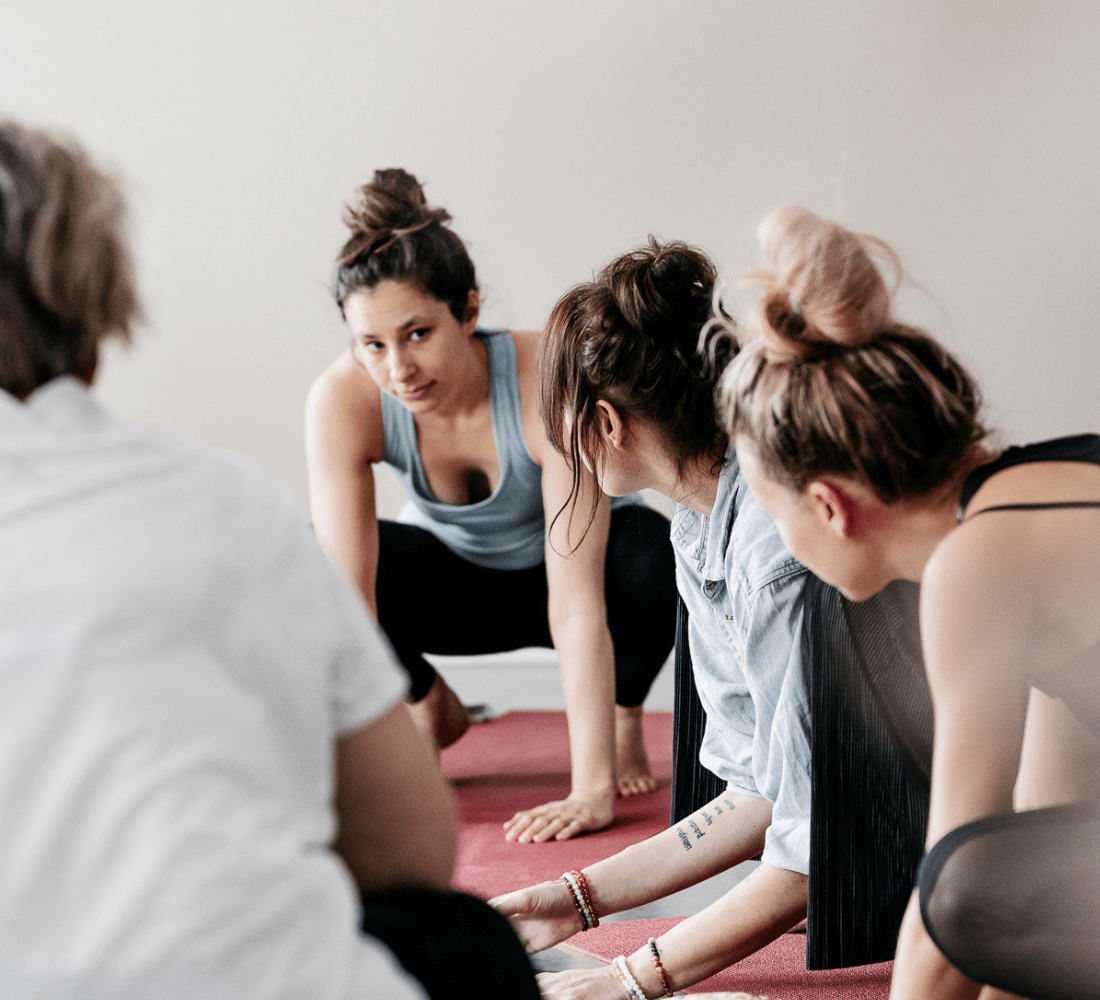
<point>711,584</point>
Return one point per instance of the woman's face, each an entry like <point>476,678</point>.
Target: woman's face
<point>852,565</point>
<point>407,340</point>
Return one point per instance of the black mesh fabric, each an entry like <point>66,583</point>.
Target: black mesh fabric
<point>1013,901</point>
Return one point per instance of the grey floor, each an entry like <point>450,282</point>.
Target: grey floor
<point>529,679</point>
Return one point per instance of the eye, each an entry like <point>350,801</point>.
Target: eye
<point>419,333</point>
<point>371,346</point>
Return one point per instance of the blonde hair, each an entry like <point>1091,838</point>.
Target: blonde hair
<point>66,278</point>
<point>829,382</point>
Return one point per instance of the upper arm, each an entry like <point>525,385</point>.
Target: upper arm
<point>344,437</point>
<point>975,615</point>
<point>397,817</point>
<point>576,547</point>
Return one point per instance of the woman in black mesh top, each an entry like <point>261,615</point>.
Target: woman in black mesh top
<point>861,436</point>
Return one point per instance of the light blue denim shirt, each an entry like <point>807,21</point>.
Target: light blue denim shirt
<point>746,595</point>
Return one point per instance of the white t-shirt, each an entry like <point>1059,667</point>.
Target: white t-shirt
<point>177,656</point>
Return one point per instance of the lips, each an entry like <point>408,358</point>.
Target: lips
<point>418,393</point>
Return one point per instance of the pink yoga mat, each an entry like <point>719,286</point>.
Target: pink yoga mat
<point>520,760</point>
<point>777,971</point>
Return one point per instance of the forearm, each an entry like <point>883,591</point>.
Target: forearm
<point>587,660</point>
<point>920,969</point>
<point>753,913</point>
<point>728,830</point>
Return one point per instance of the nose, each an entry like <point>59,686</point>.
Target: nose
<point>402,365</point>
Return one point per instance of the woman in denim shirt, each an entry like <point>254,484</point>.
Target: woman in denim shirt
<point>626,393</point>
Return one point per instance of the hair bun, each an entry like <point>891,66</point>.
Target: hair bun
<point>392,205</point>
<point>821,287</point>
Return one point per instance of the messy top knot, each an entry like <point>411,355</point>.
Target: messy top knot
<point>820,285</point>
<point>397,236</point>
<point>832,384</point>
<point>631,337</point>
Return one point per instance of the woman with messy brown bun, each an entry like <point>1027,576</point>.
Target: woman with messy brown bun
<point>862,437</point>
<point>470,565</point>
<point>628,391</point>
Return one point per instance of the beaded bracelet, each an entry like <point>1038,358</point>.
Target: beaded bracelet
<point>578,903</point>
<point>586,894</point>
<point>589,920</point>
<point>582,898</point>
<point>631,984</point>
<point>660,967</point>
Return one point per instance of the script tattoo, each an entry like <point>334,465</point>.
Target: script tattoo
<point>729,805</point>
<point>683,838</point>
<point>695,829</point>
<point>706,816</point>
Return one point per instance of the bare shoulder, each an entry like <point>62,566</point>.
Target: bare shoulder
<point>344,413</point>
<point>527,355</point>
<point>974,591</point>
<point>527,365</point>
<point>1012,585</point>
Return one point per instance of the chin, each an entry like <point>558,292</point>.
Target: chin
<point>862,591</point>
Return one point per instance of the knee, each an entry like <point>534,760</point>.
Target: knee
<point>963,909</point>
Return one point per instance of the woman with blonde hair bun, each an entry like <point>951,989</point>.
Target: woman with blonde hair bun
<point>862,437</point>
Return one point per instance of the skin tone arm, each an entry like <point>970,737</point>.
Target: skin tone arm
<point>976,672</point>
<point>578,627</point>
<point>344,436</point>
<point>725,832</point>
<point>397,817</point>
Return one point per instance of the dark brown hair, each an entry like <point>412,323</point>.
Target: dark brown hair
<point>66,277</point>
<point>830,383</point>
<point>631,337</point>
<point>397,236</point>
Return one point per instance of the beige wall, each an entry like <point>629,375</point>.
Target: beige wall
<point>966,133</point>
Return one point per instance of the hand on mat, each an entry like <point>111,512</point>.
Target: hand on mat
<point>542,916</point>
<point>582,984</point>
<point>560,820</point>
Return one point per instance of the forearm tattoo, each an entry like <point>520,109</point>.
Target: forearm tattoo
<point>685,840</point>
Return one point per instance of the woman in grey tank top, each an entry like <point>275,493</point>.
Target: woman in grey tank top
<point>862,437</point>
<point>469,566</point>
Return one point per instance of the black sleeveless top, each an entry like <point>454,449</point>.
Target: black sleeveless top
<point>1079,448</point>
<point>1075,684</point>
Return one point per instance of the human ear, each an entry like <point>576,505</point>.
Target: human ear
<point>610,422</point>
<point>473,310</point>
<point>837,509</point>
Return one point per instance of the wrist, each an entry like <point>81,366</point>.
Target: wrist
<point>598,792</point>
<point>580,895</point>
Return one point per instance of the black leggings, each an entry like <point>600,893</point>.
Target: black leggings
<point>433,601</point>
<point>1013,901</point>
<point>454,944</point>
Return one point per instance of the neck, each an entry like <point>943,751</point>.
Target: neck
<point>923,522</point>
<point>696,486</point>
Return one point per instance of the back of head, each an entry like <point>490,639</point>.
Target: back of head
<point>631,337</point>
<point>397,236</point>
<point>829,383</point>
<point>66,279</point>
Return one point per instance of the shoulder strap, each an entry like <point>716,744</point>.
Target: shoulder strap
<point>1034,506</point>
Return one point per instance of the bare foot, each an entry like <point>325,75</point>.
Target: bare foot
<point>631,760</point>
<point>440,715</point>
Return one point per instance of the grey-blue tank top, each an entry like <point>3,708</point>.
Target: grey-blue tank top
<point>505,530</point>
